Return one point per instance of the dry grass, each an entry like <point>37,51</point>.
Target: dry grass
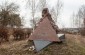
<point>74,45</point>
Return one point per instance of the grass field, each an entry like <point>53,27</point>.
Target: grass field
<point>74,45</point>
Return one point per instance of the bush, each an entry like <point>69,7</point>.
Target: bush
<point>4,34</point>
<point>18,34</point>
<point>82,32</point>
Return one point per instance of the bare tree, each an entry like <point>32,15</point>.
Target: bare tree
<point>39,5</point>
<point>81,16</point>
<point>73,20</point>
<point>34,7</point>
<point>9,7</point>
<point>57,10</point>
<point>42,4</point>
<point>54,15</point>
<point>36,19</point>
<point>76,21</point>
<point>8,14</point>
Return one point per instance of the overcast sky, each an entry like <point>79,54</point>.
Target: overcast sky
<point>69,6</point>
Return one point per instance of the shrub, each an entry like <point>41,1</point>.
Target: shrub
<point>18,34</point>
<point>82,32</point>
<point>4,34</point>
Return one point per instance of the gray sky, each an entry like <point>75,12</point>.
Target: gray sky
<point>69,6</point>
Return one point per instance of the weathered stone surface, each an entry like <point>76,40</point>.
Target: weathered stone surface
<point>44,31</point>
